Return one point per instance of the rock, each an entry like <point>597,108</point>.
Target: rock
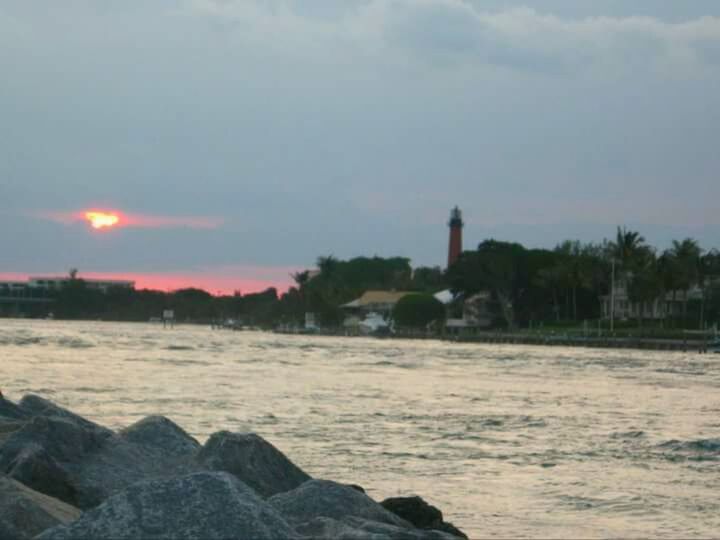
<point>449,528</point>
<point>120,463</point>
<point>10,411</point>
<point>65,456</point>
<point>201,505</point>
<point>35,468</point>
<point>25,513</point>
<point>323,498</point>
<point>421,514</point>
<point>33,405</point>
<point>352,528</point>
<point>60,437</point>
<point>415,510</point>
<point>162,434</point>
<point>253,460</point>
<point>40,454</point>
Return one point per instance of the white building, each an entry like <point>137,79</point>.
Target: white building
<point>56,283</point>
<point>671,305</point>
<point>11,287</point>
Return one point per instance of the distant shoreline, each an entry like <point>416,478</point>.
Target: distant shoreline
<point>707,345</point>
<point>656,344</point>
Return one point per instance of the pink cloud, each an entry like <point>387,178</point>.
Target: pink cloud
<point>218,280</point>
<point>133,220</point>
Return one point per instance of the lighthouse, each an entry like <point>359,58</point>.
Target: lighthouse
<point>455,244</point>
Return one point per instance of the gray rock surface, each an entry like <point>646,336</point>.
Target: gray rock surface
<point>415,510</point>
<point>153,480</point>
<point>420,513</point>
<point>10,411</point>
<point>25,513</point>
<point>162,434</point>
<point>35,468</point>
<point>32,405</point>
<point>353,528</point>
<point>324,498</point>
<point>201,505</point>
<point>68,457</point>
<point>253,460</point>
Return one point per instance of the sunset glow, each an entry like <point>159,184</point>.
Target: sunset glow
<point>108,219</point>
<point>102,220</point>
<point>218,281</point>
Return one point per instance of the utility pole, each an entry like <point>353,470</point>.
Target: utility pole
<point>612,298</point>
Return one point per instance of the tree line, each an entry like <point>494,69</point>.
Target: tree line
<point>528,287</point>
<point>569,282</point>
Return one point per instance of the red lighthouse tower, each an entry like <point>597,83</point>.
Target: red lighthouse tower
<point>455,244</point>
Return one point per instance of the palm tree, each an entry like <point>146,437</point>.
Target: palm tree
<point>670,275</point>
<point>627,247</point>
<point>645,285</point>
<point>687,257</point>
<point>574,269</point>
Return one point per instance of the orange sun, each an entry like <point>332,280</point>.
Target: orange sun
<point>102,220</point>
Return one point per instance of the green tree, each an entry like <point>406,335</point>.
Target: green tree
<point>428,279</point>
<point>498,267</point>
<point>627,247</point>
<point>418,311</point>
<point>686,255</point>
<point>645,284</point>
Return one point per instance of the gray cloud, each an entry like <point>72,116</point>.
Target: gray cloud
<point>456,30</point>
<point>351,127</point>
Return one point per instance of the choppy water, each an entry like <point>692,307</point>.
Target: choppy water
<point>508,441</point>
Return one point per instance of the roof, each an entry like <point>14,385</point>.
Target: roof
<point>445,296</point>
<point>371,298</point>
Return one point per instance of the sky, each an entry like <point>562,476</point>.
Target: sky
<point>246,138</point>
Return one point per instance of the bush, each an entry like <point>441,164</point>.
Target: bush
<point>418,310</point>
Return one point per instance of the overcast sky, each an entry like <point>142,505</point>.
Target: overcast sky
<point>301,128</point>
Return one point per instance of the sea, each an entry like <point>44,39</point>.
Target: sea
<point>508,441</point>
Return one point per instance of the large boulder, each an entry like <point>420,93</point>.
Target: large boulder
<point>415,510</point>
<point>327,499</point>
<point>62,438</point>
<point>32,405</point>
<point>201,505</point>
<point>353,528</point>
<point>25,513</point>
<point>253,460</point>
<point>10,411</point>
<point>35,468</point>
<point>421,514</point>
<point>162,434</point>
<point>68,457</point>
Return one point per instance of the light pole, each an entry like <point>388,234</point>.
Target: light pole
<point>612,298</point>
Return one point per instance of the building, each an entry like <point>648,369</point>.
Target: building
<point>382,302</point>
<point>476,314</point>
<point>57,283</point>
<point>455,244</point>
<point>669,305</point>
<point>10,288</point>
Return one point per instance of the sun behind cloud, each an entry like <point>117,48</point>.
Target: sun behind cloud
<point>110,219</point>
<point>102,220</point>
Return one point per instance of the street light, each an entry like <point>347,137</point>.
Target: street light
<point>612,297</point>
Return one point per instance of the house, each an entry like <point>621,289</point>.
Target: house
<point>56,283</point>
<point>371,312</point>
<point>475,311</point>
<point>382,302</point>
<point>669,305</point>
<point>10,288</point>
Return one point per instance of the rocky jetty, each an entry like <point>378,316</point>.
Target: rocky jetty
<point>65,477</point>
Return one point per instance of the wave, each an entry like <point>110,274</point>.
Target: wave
<point>698,446</point>
<point>635,434</point>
